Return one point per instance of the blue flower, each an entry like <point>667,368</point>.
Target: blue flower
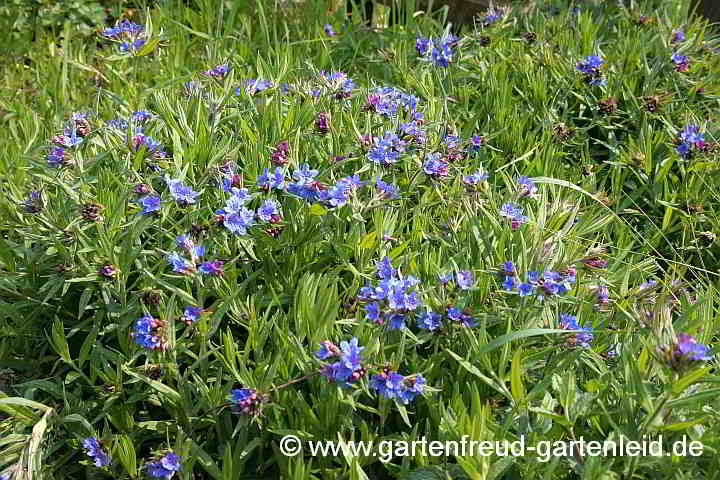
<point>277,181</point>
<point>327,350</point>
<point>416,387</point>
<point>94,450</point>
<point>180,264</point>
<point>396,321</point>
<point>392,385</point>
<point>400,300</point>
<point>445,277</point>
<point>118,124</point>
<point>192,314</point>
<point>165,467</point>
<point>422,45</point>
<point>351,354</point>
<point>184,242</point>
<point>590,64</point>
<point>429,321</point>
<point>214,268</point>
<point>132,46</point>
<point>387,190</point>
<point>493,15</point>
<point>514,213</point>
<point>268,210</point>
<point>464,279</point>
<point>373,312</point>
<point>242,395</point>
<point>150,203</point>
<point>146,335</point>
<point>142,116</point>
<point>687,348</point>
<point>526,186</point>
<point>304,174</point>
<point>591,68</point>
<point>240,221</point>
<point>180,192</point>
<point>56,157</point>
<point>569,322</point>
<point>525,289</point>
<point>329,30</point>
<point>434,166</point>
<point>677,36</point>
<point>442,56</point>
<point>219,71</point>
<point>384,268</point>
<point>125,27</point>
<point>477,177</point>
<point>509,283</point>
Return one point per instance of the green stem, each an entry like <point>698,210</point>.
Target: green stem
<point>667,396</point>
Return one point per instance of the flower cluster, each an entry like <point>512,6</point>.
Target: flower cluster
<point>543,284</point>
<point>246,401</point>
<point>75,130</point>
<point>337,84</point>
<point>583,339</point>
<point>526,187</point>
<point>192,314</point>
<point>182,193</point>
<point>476,178</point>
<point>130,36</point>
<point>684,353</point>
<point>269,182</point>
<point>218,72</point>
<point>281,153</point>
<point>387,149</point>
<point>322,122</point>
<point>349,367</point>
<point>153,147</point>
<point>493,15</point>
<point>690,141</point>
<point>392,385</point>
<point>682,62</point>
<point>514,213</point>
<point>435,166</point>
<point>441,49</point>
<point>254,85</point>
<point>94,450</point>
<point>677,36</point>
<point>392,299</point>
<point>386,190</point>
<point>235,216</point>
<point>33,203</point>
<point>388,101</point>
<point>182,265</point>
<point>432,321</point>
<point>149,333</point>
<point>590,67</point>
<point>164,467</point>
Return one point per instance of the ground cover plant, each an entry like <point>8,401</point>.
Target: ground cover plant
<point>223,223</point>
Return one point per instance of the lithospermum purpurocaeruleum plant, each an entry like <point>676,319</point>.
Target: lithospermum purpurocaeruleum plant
<point>226,224</point>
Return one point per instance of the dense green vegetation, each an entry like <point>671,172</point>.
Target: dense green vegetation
<point>205,202</point>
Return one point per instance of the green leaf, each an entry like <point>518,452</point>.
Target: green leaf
<point>318,210</point>
<point>532,332</point>
<point>368,240</point>
<point>59,342</point>
<point>172,395</point>
<point>516,384</point>
<point>124,450</point>
<point>681,384</point>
